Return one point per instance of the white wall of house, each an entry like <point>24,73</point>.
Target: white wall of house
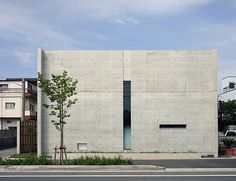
<point>11,100</point>
<point>227,92</point>
<point>11,111</point>
<point>231,95</point>
<point>6,123</point>
<point>227,80</point>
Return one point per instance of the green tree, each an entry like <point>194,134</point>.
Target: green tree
<point>229,112</point>
<point>60,90</point>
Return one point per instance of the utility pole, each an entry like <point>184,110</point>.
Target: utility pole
<point>22,117</point>
<point>23,100</point>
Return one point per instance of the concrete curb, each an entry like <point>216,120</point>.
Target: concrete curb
<point>105,168</point>
<point>80,168</point>
<point>200,170</point>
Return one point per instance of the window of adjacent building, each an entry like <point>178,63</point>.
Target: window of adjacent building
<point>3,86</point>
<point>172,126</point>
<point>10,105</point>
<point>31,107</point>
<point>30,87</point>
<point>231,85</point>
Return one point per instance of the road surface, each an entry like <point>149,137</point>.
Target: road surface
<point>194,163</point>
<point>163,176</point>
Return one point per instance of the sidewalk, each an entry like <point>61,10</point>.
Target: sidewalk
<point>191,165</point>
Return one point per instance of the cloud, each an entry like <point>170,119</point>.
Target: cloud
<point>132,20</point>
<point>125,20</point>
<point>25,58</point>
<point>118,10</point>
<point>108,7</point>
<point>118,21</point>
<point>37,21</point>
<point>11,15</point>
<point>72,10</point>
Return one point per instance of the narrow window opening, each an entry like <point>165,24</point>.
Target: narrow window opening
<point>172,126</point>
<point>127,114</point>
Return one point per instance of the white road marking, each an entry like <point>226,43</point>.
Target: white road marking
<point>114,176</point>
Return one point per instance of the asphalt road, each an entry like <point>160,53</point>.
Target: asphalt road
<point>199,163</point>
<point>119,177</point>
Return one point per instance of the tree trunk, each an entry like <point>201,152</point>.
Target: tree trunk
<point>60,161</point>
<point>61,130</point>
<point>62,144</point>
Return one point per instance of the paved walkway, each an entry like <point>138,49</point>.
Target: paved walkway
<point>7,152</point>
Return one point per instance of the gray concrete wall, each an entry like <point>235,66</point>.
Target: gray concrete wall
<point>97,117</point>
<point>176,87</point>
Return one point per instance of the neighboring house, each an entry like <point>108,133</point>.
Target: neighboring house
<point>228,94</point>
<point>140,101</point>
<point>18,103</point>
<point>229,89</point>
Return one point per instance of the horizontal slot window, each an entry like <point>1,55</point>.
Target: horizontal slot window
<point>172,126</point>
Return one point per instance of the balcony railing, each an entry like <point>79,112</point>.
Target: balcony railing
<point>10,90</point>
<point>228,89</point>
<point>17,90</point>
<point>31,91</point>
<point>30,113</point>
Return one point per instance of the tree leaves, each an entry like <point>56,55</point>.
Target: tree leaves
<point>59,90</point>
<point>229,112</point>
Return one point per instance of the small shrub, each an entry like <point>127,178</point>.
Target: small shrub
<point>31,160</point>
<point>23,155</point>
<point>83,160</point>
<point>96,160</point>
<point>228,142</point>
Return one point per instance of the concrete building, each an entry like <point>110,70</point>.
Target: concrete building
<point>18,102</point>
<point>136,101</point>
<point>228,89</point>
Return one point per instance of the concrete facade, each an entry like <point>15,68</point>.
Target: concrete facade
<point>167,88</point>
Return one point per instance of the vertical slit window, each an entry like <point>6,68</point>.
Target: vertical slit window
<point>127,114</point>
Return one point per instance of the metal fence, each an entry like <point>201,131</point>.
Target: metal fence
<point>28,137</point>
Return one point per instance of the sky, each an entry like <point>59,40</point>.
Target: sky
<point>26,25</point>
